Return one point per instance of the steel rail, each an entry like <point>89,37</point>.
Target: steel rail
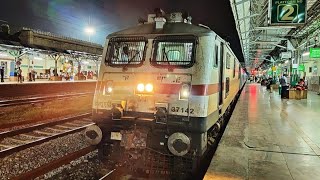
<point>107,175</point>
<point>41,140</point>
<point>38,125</point>
<point>16,102</point>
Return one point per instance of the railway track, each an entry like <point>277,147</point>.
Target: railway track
<point>55,164</point>
<point>17,140</point>
<point>16,102</point>
<point>107,176</point>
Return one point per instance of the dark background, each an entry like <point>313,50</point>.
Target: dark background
<point>70,17</point>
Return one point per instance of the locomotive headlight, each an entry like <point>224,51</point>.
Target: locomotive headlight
<point>149,87</point>
<point>140,87</point>
<point>109,89</point>
<point>185,92</point>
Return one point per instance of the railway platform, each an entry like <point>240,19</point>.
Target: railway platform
<point>15,89</point>
<point>43,81</point>
<point>269,138</point>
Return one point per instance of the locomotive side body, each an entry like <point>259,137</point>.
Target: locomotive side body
<point>162,92</point>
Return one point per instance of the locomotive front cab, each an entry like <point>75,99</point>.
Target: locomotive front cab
<point>146,108</point>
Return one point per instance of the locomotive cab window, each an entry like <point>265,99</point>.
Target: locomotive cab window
<point>175,51</point>
<point>228,57</point>
<point>216,56</point>
<point>227,86</point>
<point>126,51</point>
<point>234,68</point>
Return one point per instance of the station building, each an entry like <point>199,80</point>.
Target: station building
<point>43,52</point>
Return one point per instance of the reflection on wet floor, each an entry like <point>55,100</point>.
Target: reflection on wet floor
<point>270,138</point>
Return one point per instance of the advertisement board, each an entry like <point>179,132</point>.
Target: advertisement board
<point>287,12</point>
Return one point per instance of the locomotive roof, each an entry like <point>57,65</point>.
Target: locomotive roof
<point>168,28</point>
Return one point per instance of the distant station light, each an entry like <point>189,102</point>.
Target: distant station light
<point>38,58</point>
<point>3,55</point>
<point>89,30</point>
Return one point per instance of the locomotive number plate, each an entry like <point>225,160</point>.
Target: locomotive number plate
<point>116,136</point>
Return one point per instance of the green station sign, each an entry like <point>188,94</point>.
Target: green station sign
<point>288,12</point>
<point>314,53</point>
<point>301,67</point>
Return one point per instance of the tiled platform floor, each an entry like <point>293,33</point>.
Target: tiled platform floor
<point>269,138</point>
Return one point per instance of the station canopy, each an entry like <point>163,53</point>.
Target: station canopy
<point>263,37</point>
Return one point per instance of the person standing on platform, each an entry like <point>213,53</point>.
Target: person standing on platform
<point>2,74</point>
<point>33,75</point>
<point>19,73</point>
<point>284,86</point>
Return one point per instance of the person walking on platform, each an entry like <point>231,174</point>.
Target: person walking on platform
<point>284,87</point>
<point>2,74</point>
<point>33,75</point>
<point>268,84</point>
<point>19,73</point>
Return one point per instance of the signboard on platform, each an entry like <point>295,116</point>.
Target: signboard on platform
<point>314,53</point>
<point>285,55</point>
<point>287,12</point>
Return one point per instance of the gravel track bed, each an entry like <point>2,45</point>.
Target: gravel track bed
<point>87,167</point>
<point>34,157</point>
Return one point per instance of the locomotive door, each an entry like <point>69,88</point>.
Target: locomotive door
<point>221,72</point>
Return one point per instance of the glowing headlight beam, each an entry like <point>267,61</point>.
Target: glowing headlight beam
<point>140,87</point>
<point>109,89</point>
<point>149,87</point>
<point>185,92</point>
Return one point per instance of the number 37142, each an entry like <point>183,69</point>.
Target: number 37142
<point>177,109</point>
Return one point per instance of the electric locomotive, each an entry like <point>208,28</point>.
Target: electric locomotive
<point>163,89</point>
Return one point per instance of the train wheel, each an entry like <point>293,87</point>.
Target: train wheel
<point>215,130</point>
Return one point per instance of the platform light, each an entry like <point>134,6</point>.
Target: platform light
<point>38,58</point>
<point>306,53</point>
<point>89,30</point>
<point>3,55</point>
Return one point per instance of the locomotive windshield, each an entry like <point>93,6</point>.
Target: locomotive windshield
<point>177,51</point>
<point>126,51</point>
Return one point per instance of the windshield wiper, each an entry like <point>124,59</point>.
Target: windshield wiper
<point>125,66</point>
<point>166,55</point>
<point>134,57</point>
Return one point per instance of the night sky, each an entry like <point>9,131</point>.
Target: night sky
<point>70,17</point>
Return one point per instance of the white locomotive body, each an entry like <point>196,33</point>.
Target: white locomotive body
<point>164,87</point>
